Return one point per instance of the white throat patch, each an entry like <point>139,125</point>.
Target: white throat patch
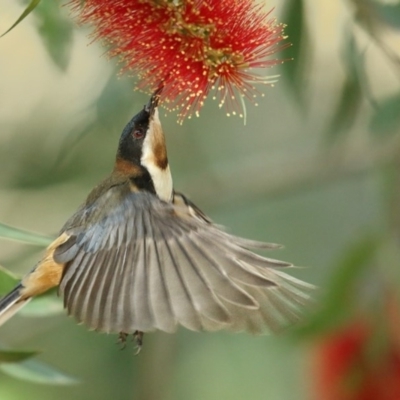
<point>161,177</point>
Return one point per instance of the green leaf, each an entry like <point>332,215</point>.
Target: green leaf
<point>350,97</point>
<point>37,372</point>
<point>19,235</point>
<point>31,6</point>
<point>56,32</point>
<point>371,16</point>
<point>343,287</point>
<point>43,306</point>
<point>390,13</point>
<point>386,119</point>
<point>294,70</point>
<point>365,14</point>
<point>351,93</point>
<point>13,356</point>
<point>7,281</point>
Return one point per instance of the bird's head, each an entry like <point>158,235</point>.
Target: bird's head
<point>142,152</point>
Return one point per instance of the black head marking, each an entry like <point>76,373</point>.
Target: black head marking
<point>134,133</point>
<point>131,141</point>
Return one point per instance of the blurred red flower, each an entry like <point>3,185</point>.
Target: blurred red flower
<point>357,362</point>
<point>189,46</point>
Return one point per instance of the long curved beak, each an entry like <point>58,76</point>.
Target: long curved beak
<point>153,102</point>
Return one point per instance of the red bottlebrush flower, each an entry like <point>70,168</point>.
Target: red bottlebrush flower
<point>189,46</point>
<point>357,363</point>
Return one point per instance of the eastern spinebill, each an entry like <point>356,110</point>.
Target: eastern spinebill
<point>138,256</point>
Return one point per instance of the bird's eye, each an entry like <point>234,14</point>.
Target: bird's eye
<point>138,133</point>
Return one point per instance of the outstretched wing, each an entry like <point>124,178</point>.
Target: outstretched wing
<point>134,262</point>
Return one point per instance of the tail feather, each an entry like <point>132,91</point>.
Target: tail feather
<point>11,303</point>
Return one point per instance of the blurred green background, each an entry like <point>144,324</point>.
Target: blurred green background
<point>316,168</point>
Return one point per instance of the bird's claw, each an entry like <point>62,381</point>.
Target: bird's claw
<point>122,339</point>
<point>138,338</point>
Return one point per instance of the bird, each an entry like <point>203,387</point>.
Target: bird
<point>139,256</point>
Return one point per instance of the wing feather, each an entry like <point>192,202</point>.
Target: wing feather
<point>229,265</point>
<point>74,280</point>
<point>96,295</point>
<point>80,302</point>
<point>158,293</point>
<point>137,263</point>
<point>140,292</point>
<point>206,303</point>
<point>71,276</point>
<point>181,300</point>
<point>124,300</point>
<point>220,282</point>
<point>66,251</point>
<point>118,296</point>
<point>109,319</point>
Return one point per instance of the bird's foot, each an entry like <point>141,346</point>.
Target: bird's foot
<point>122,339</point>
<point>138,338</point>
